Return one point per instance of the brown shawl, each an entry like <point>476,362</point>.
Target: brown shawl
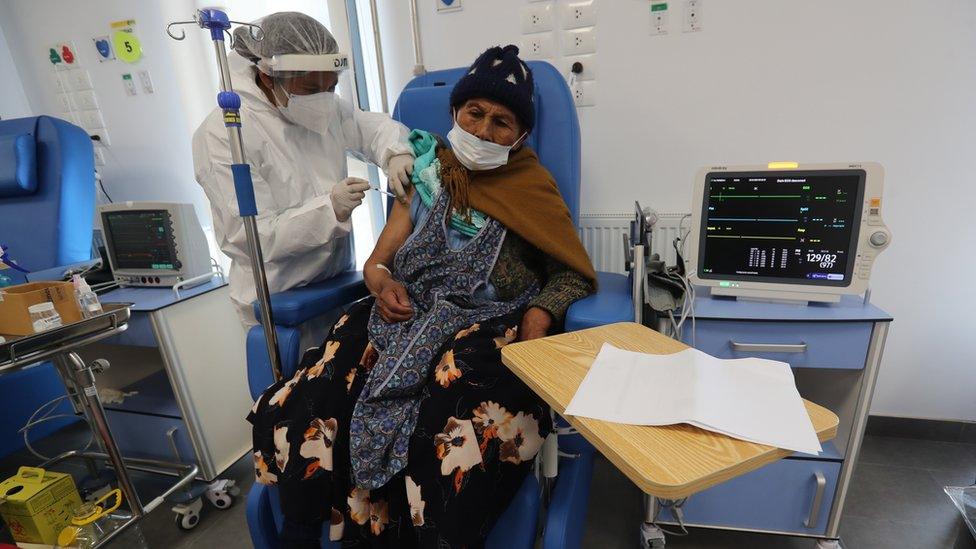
<point>523,196</point>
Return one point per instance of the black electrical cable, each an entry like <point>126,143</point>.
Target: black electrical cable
<point>101,185</point>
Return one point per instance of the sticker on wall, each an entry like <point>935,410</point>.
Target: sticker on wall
<point>62,56</point>
<point>448,5</point>
<point>103,46</point>
<point>127,46</point>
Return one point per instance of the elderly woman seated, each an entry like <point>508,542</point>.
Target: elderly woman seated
<point>405,429</point>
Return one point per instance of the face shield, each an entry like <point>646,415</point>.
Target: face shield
<point>304,87</point>
<point>303,60</point>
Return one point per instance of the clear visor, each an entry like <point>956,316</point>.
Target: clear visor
<point>296,64</point>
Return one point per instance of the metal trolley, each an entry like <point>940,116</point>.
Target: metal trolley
<point>59,345</point>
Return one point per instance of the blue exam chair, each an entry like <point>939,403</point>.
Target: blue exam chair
<point>424,104</point>
<point>47,205</point>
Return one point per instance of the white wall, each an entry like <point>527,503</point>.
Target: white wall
<point>149,153</point>
<point>785,80</point>
<point>13,101</point>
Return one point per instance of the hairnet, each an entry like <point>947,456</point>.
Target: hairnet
<point>284,32</point>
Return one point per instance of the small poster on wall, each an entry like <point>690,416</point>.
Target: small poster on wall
<point>127,46</point>
<point>103,46</point>
<point>62,56</point>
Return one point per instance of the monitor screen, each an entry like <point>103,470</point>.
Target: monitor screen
<point>141,239</point>
<point>789,227</point>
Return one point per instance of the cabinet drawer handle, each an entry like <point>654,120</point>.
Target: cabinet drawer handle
<point>768,347</point>
<point>814,515</point>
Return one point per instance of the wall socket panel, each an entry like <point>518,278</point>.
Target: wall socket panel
<point>536,18</point>
<point>91,120</point>
<point>579,14</point>
<point>659,18</point>
<point>100,135</point>
<point>584,94</point>
<point>84,100</point>
<point>537,46</point>
<point>693,16</point>
<point>589,67</point>
<point>579,42</point>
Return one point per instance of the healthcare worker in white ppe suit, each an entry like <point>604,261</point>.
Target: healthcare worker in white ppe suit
<point>296,133</point>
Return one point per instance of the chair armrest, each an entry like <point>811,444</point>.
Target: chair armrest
<point>295,306</point>
<point>612,303</point>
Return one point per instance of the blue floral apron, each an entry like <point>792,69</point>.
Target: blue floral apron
<point>441,283</point>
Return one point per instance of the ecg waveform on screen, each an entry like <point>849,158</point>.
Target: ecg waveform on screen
<point>779,225</point>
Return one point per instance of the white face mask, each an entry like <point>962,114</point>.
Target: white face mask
<point>315,111</point>
<point>476,153</point>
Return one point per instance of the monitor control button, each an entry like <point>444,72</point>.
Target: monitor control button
<point>879,239</point>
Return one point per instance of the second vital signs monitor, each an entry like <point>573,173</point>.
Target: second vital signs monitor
<point>787,232</point>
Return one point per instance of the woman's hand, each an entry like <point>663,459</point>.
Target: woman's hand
<point>393,302</point>
<point>535,324</point>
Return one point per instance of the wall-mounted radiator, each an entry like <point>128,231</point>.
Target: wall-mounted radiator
<point>602,235</point>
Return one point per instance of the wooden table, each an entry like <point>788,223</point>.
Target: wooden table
<point>669,462</point>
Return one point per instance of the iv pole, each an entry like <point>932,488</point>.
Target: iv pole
<point>217,22</point>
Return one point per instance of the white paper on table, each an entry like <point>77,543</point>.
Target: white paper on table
<point>752,399</point>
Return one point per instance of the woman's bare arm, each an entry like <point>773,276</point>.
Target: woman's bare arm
<point>398,228</point>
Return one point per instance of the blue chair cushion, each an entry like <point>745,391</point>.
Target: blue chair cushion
<point>259,376</point>
<point>18,165</point>
<point>293,307</point>
<point>612,303</point>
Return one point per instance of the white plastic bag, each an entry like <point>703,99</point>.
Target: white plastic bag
<point>964,498</point>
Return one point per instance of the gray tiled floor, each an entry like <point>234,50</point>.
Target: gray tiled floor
<point>896,501</point>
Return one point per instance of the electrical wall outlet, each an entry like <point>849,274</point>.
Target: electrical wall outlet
<point>537,46</point>
<point>579,14</point>
<point>78,80</point>
<point>579,42</point>
<point>91,120</point>
<point>100,135</point>
<point>536,18</point>
<point>59,83</point>
<point>84,100</point>
<point>659,18</point>
<point>588,63</point>
<point>584,94</point>
<point>146,80</point>
<point>693,15</point>
<point>64,102</point>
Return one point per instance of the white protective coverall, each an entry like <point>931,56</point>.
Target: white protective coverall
<point>293,170</point>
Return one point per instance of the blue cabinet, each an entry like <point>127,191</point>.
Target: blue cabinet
<point>800,495</point>
<point>841,345</point>
<point>790,495</point>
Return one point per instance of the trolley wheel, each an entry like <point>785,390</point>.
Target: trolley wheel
<point>222,502</point>
<point>187,522</point>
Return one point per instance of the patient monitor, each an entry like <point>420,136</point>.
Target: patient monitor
<point>786,231</point>
<point>154,243</point>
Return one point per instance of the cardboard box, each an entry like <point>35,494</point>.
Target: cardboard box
<point>14,301</point>
<point>38,504</point>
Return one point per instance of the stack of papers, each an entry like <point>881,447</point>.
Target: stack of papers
<point>750,399</point>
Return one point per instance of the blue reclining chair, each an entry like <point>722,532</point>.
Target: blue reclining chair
<point>47,205</point>
<point>424,104</point>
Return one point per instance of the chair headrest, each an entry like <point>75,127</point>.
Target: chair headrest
<point>429,108</point>
<point>18,165</point>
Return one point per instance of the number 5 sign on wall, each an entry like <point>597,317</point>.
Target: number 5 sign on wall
<point>127,46</point>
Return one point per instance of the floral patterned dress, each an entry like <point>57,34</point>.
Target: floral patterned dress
<point>476,432</point>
